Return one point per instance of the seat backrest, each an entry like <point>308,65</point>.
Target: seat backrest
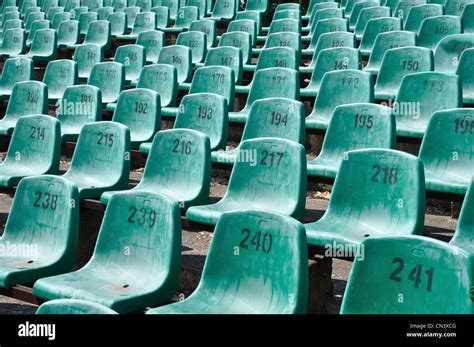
<point>72,4</point>
<point>389,196</point>
<point>173,6</point>
<point>368,14</point>
<point>102,152</point>
<point>104,12</point>
<point>403,8</point>
<point>53,11</point>
<point>28,98</point>
<point>358,8</point>
<point>418,13</point>
<point>463,237</point>
<point>287,14</point>
<point>185,16</point>
<point>162,16</point>
<point>246,26</point>
<point>36,26</point>
<point>426,93</point>
<point>466,19</point>
<point>386,41</point>
<point>465,71</point>
<point>456,7</point>
<point>149,225</point>
<point>399,62</point>
<point>224,9</point>
<point>109,77</point>
<point>274,82</point>
<point>95,5</point>
<point>180,161</point>
<point>257,283</point>
<point>140,110</point>
<point>35,143</point>
<point>207,27</point>
<point>333,40</point>
<point>226,56</point>
<point>58,18</point>
<point>284,26</point>
<point>145,5</point>
<point>33,17</point>
<point>85,19</point>
<point>99,33</point>
<point>48,4</point>
<point>152,41</point>
<point>253,15</point>
<point>353,86</point>
<point>316,5</point>
<point>80,104</point>
<point>68,32</point>
<point>433,29</point>
<point>118,23</point>
<point>45,213</point>
<point>15,70</point>
<point>207,113</point>
<point>324,13</point>
<point>163,79</point>
<point>358,126</point>
<point>284,39</point>
<point>14,41</point>
<point>44,43</point>
<point>131,12</point>
<point>86,56</point>
<point>215,79</point>
<point>239,40</point>
<point>201,5</point>
<point>269,173</point>
<point>259,6</point>
<point>75,13</point>
<point>327,26</point>
<point>449,51</point>
<point>179,57</point>
<point>59,75</point>
<point>448,143</point>
<point>144,21</point>
<point>197,42</point>
<point>376,26</point>
<point>276,117</point>
<point>133,58</point>
<point>119,5</point>
<point>278,57</point>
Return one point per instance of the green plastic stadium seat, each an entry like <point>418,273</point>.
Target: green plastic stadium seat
<point>207,27</point>
<point>48,4</point>
<point>11,24</point>
<point>415,275</point>
<point>418,13</point>
<point>287,14</point>
<point>373,28</point>
<point>68,33</point>
<point>282,25</point>
<point>253,15</point>
<point>446,151</point>
<point>420,95</point>
<point>140,110</point>
<point>173,6</point>
<point>186,15</point>
<point>37,25</point>
<point>133,58</point>
<point>389,199</point>
<point>210,79</point>
<point>163,79</point>
<point>449,51</point>
<point>72,4</point>
<point>76,13</point>
<point>27,98</point>
<point>59,75</point>
<point>324,13</point>
<point>467,19</point>
<point>27,4</point>
<point>152,41</point>
<point>43,47</point>
<point>14,42</point>
<point>118,23</point>
<point>260,6</point>
<point>101,160</point>
<point>396,64</point>
<point>86,56</point>
<point>282,39</point>
<point>403,8</point>
<point>329,40</point>
<point>353,86</point>
<point>226,56</point>
<point>201,5</point>
<point>34,150</point>
<point>112,277</point>
<point>197,42</point>
<point>433,29</point>
<point>239,40</point>
<point>85,19</point>
<point>272,57</point>
<point>465,70</point>
<point>80,105</point>
<point>324,26</point>
<point>73,306</point>
<point>119,5</point>
<point>462,237</point>
<point>145,21</point>
<point>358,8</point>
<point>15,70</point>
<point>274,180</point>
<point>270,117</point>
<point>44,221</point>
<point>252,283</point>
<point>267,83</point>
<point>104,12</point>
<point>207,113</point>
<point>162,16</point>
<point>179,57</point>
<point>178,166</point>
<point>109,77</point>
<point>288,6</point>
<point>330,59</point>
<point>353,126</point>
<point>99,33</point>
<point>145,5</point>
<point>131,12</point>
<point>385,42</point>
<point>349,7</point>
<point>368,14</point>
<point>316,5</point>
<point>7,3</point>
<point>33,17</point>
<point>224,10</point>
<point>59,18</point>
<point>456,7</point>
<point>245,25</point>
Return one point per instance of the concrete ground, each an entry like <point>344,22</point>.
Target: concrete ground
<point>438,224</point>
